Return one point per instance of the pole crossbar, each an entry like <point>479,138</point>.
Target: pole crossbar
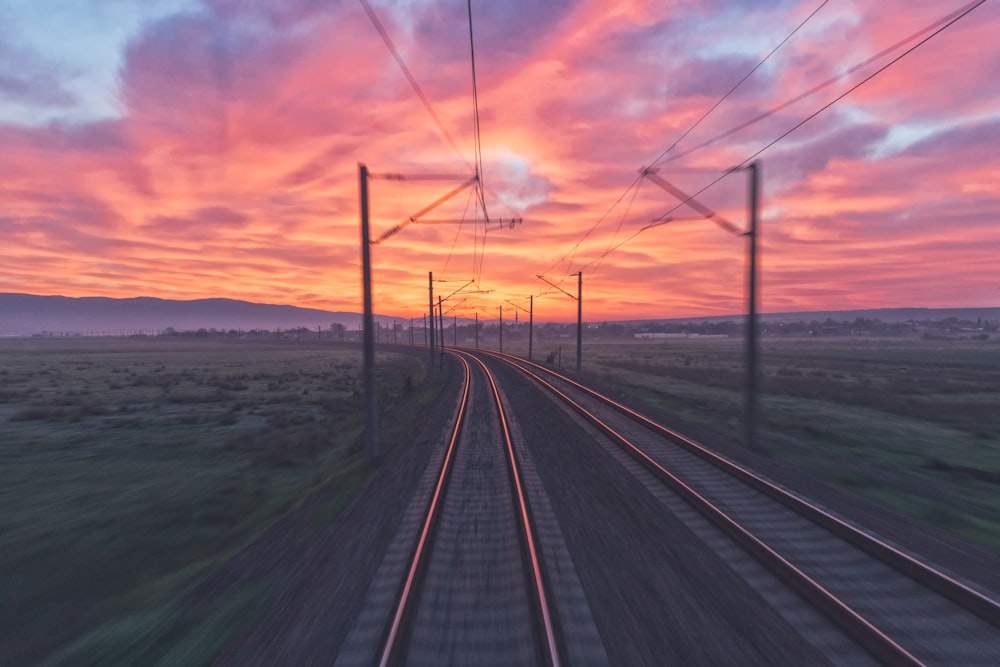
<point>543,278</point>
<point>650,173</point>
<point>516,306</point>
<point>395,229</point>
<point>419,177</point>
<point>458,290</point>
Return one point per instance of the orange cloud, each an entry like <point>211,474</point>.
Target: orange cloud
<point>232,168</point>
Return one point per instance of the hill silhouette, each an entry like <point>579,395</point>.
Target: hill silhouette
<point>27,314</point>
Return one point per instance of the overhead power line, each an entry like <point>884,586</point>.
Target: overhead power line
<point>480,188</point>
<point>572,252</point>
<point>943,26</point>
<point>475,114</point>
<point>413,82</point>
<point>936,27</point>
<point>930,32</point>
<point>479,249</point>
<point>738,84</point>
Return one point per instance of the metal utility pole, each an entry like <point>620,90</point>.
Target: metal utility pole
<point>752,346</point>
<point>456,329</point>
<point>441,322</point>
<point>411,331</point>
<point>368,357</point>
<point>579,313</point>
<point>477,329</point>
<point>430,306</point>
<point>579,320</point>
<point>531,323</point>
<point>501,328</point>
<point>752,351</point>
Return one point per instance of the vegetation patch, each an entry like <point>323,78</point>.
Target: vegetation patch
<point>892,419</point>
<point>133,468</point>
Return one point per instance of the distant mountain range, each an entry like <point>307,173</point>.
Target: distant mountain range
<point>26,314</point>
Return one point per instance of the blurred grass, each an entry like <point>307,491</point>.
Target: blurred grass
<point>131,468</point>
<point>909,423</point>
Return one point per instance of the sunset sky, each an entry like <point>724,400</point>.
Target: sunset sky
<point>189,149</point>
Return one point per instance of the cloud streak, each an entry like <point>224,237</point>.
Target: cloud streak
<point>231,168</point>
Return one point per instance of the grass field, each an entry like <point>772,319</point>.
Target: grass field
<point>131,467</point>
<point>910,423</point>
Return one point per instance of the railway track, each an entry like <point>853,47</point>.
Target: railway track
<point>901,610</point>
<point>473,588</point>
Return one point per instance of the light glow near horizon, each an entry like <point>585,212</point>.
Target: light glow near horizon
<point>208,148</point>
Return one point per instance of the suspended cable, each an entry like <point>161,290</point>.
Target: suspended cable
<point>934,29</point>
<point>618,228</point>
<point>940,24</point>
<point>868,78</point>
<point>413,82</point>
<point>738,84</point>
<point>590,231</point>
<point>572,252</point>
<point>457,233</point>
<point>475,117</point>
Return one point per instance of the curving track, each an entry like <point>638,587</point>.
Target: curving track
<point>902,611</point>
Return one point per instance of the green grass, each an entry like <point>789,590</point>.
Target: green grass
<point>166,635</point>
<point>129,469</point>
<point>906,422</point>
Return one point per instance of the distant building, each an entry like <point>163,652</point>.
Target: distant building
<point>646,336</point>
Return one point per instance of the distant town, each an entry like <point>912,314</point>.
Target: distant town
<point>33,315</point>
<point>403,331</point>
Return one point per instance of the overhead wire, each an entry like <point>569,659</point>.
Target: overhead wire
<point>571,254</point>
<point>738,83</point>
<point>628,209</point>
<point>479,250</point>
<point>940,23</point>
<point>590,231</point>
<point>373,17</point>
<point>475,111</point>
<point>478,143</point>
<point>458,233</point>
<point>935,29</point>
<point>968,8</point>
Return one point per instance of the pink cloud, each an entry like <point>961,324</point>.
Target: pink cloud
<point>232,170</point>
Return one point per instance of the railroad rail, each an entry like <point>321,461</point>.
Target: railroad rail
<point>901,610</point>
<point>397,636</point>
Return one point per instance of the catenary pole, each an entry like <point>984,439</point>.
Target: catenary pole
<point>368,371</point>
<point>752,348</point>
<point>430,306</point>
<point>441,321</point>
<point>579,320</point>
<point>531,323</point>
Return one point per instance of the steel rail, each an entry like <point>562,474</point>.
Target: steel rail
<point>945,585</point>
<point>876,642</point>
<point>550,650</point>
<point>392,645</point>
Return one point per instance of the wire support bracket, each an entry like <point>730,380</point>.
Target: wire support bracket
<point>650,173</point>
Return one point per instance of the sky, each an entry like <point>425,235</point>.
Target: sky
<point>189,149</point>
